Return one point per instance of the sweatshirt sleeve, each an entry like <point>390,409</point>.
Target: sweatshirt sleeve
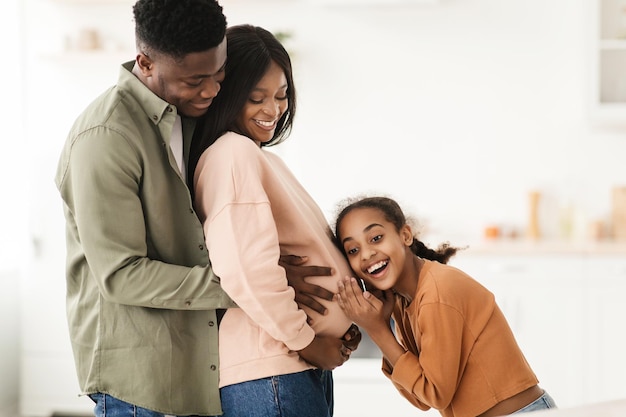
<point>242,239</point>
<point>430,379</point>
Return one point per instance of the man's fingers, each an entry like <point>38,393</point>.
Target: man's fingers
<point>292,260</point>
<point>311,303</point>
<point>320,292</point>
<point>319,271</point>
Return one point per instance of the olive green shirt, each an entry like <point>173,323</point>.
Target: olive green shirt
<point>140,291</point>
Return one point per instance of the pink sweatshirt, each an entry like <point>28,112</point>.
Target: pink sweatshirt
<point>253,210</point>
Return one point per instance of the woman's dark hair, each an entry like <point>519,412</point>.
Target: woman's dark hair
<point>178,27</point>
<point>393,213</point>
<point>251,50</point>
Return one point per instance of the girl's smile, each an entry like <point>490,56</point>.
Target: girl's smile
<point>377,268</point>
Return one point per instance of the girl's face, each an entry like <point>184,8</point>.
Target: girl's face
<point>265,106</point>
<point>377,252</point>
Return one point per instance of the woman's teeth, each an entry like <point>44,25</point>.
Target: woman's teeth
<point>264,123</point>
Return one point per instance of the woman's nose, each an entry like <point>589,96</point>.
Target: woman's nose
<point>271,108</point>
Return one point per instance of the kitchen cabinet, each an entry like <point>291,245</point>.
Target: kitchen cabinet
<point>605,339</point>
<point>608,61</point>
<point>48,382</point>
<point>541,297</point>
<point>361,390</point>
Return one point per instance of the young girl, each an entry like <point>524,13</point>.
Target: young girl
<point>452,349</point>
<point>253,211</point>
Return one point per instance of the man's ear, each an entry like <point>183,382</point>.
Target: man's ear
<point>144,63</point>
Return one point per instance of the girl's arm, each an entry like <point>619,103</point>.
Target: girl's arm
<point>374,315</point>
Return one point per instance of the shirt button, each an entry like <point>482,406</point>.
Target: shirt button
<point>211,323</point>
<point>213,367</point>
<point>155,117</point>
<point>169,109</point>
<point>188,303</point>
<point>201,247</point>
<point>191,210</point>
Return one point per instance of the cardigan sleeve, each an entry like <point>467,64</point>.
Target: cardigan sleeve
<point>242,239</point>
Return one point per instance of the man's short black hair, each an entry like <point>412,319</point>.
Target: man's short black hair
<point>178,27</point>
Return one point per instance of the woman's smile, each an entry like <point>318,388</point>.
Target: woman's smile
<point>266,125</point>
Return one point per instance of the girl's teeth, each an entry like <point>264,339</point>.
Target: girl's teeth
<point>376,266</point>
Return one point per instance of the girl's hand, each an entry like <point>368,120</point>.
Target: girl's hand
<point>387,299</point>
<point>363,308</point>
<point>372,313</point>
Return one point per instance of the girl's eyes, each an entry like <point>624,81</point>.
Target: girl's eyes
<point>351,251</point>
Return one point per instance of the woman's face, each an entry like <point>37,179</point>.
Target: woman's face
<point>265,106</point>
<point>376,251</point>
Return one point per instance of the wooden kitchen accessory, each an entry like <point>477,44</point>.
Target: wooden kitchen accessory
<point>618,218</point>
<point>533,231</point>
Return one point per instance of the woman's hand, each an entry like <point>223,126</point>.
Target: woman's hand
<point>325,352</point>
<point>352,338</point>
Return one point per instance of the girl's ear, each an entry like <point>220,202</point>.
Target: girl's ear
<point>406,234</point>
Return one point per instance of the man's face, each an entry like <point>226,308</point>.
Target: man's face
<point>189,84</point>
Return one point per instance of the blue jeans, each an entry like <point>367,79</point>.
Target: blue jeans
<point>107,406</point>
<point>542,403</point>
<point>328,385</point>
<point>301,394</point>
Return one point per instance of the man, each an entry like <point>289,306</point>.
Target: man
<point>141,295</point>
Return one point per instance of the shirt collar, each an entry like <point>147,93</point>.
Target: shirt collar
<point>154,106</point>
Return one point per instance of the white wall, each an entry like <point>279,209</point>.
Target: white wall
<point>9,342</point>
<point>457,109</point>
<point>13,214</point>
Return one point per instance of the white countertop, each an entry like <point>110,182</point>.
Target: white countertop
<point>547,247</point>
